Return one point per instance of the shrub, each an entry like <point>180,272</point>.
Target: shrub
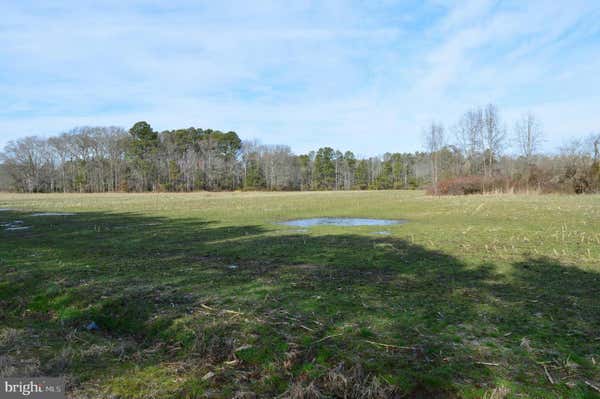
<point>472,185</point>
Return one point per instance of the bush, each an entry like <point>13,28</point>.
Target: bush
<point>472,185</point>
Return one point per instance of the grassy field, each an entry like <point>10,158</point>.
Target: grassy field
<point>204,295</point>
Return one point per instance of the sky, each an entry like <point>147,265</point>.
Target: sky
<point>365,76</point>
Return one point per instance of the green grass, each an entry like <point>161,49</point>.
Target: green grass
<point>481,296</point>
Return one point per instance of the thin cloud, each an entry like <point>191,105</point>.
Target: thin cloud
<point>354,75</point>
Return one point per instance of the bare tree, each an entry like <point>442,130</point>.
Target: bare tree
<point>469,134</point>
<point>60,146</point>
<point>493,137</point>
<point>26,163</point>
<point>434,141</point>
<point>595,139</point>
<point>528,135</point>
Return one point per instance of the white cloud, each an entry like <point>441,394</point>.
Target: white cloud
<point>359,76</point>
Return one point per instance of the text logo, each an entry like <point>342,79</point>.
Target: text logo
<point>32,388</point>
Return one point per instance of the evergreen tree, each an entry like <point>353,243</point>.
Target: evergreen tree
<point>324,166</point>
<point>143,148</point>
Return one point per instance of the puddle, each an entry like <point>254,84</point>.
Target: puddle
<point>14,226</point>
<point>17,228</point>
<point>52,214</point>
<point>381,233</point>
<point>5,209</point>
<point>9,224</point>
<point>341,222</point>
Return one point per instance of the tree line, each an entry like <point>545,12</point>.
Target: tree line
<point>110,159</point>
<point>485,154</point>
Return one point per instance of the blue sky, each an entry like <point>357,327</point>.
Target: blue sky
<point>360,75</point>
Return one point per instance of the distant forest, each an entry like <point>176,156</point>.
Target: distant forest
<point>479,153</point>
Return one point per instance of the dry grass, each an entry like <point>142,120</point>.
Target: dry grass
<point>481,296</point>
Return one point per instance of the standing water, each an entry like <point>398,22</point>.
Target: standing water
<point>341,222</point>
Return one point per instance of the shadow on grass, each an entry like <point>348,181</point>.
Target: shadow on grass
<point>271,312</point>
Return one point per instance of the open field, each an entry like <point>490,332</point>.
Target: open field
<point>203,295</point>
